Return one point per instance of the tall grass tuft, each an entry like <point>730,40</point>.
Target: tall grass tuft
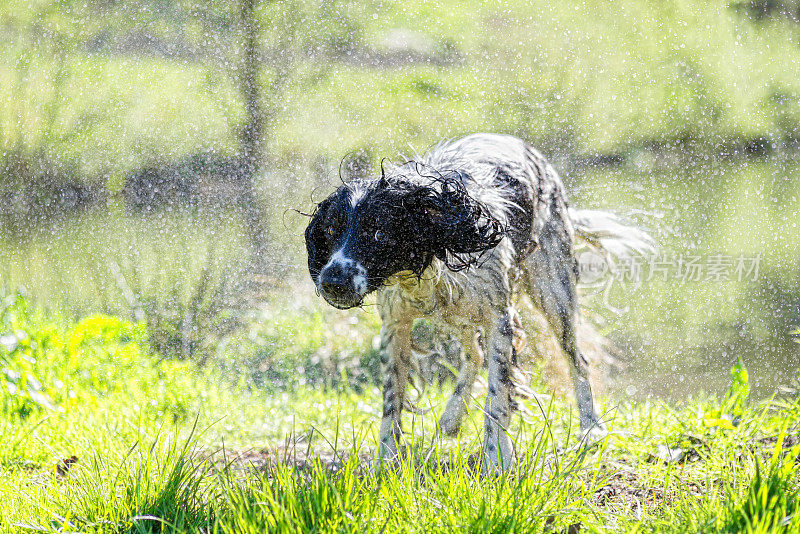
<point>286,499</point>
<point>151,487</point>
<point>189,319</point>
<point>431,488</point>
<point>772,502</point>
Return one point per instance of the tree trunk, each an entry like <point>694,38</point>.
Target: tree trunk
<point>251,137</point>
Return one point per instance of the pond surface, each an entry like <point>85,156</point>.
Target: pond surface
<point>725,283</point>
<point>726,280</point>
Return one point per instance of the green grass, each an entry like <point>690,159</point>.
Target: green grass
<point>101,436</point>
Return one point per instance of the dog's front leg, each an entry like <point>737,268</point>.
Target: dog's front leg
<point>396,362</point>
<point>497,447</point>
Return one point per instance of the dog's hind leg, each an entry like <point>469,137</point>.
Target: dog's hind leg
<point>458,404</point>
<point>552,280</point>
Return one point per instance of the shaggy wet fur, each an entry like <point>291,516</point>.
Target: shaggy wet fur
<point>454,236</point>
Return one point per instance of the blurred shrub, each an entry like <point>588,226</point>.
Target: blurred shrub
<point>46,367</point>
<point>288,346</point>
<point>186,317</point>
<point>762,10</point>
<point>206,179</point>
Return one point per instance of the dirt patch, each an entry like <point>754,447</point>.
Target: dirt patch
<point>267,459</point>
<point>19,463</point>
<point>63,466</point>
<point>625,489</point>
<point>788,441</point>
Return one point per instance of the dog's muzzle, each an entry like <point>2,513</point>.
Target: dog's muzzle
<point>343,284</point>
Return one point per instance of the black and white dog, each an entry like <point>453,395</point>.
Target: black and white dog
<point>453,236</point>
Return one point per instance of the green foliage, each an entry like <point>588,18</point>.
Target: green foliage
<point>105,332</point>
<point>25,352</point>
<point>113,349</point>
<point>46,368</point>
<point>772,502</point>
<point>128,458</point>
<point>739,391</point>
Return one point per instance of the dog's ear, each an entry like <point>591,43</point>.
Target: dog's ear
<point>318,243</point>
<point>450,223</point>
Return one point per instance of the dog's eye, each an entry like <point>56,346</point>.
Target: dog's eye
<point>330,230</point>
<point>380,235</point>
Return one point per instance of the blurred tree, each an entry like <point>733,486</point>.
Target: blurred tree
<point>258,113</point>
<point>252,134</point>
<point>252,46</point>
<point>253,43</point>
<point>232,38</point>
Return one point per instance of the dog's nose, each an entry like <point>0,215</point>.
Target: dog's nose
<point>334,282</point>
<point>334,289</point>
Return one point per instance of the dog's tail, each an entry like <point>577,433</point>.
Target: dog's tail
<point>606,234</point>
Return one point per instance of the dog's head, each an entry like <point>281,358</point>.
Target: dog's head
<point>369,230</point>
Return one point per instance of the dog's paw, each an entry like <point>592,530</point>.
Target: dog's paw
<point>449,425</point>
<point>493,464</point>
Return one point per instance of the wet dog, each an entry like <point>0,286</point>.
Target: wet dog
<point>453,236</point>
